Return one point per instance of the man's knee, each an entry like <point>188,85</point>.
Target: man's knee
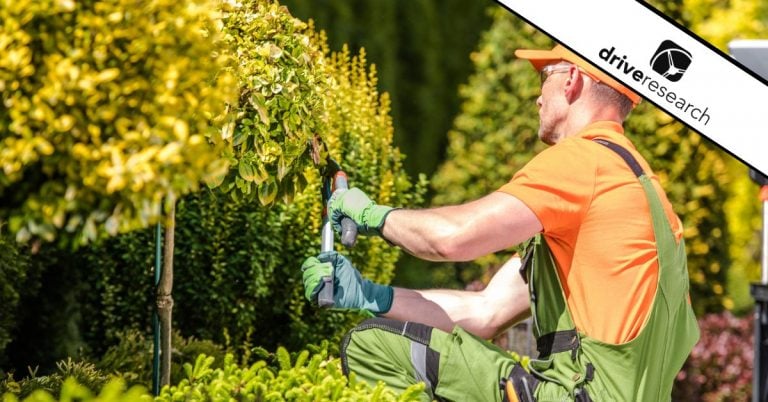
<point>396,352</point>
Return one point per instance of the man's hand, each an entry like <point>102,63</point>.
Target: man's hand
<point>350,290</point>
<point>353,203</point>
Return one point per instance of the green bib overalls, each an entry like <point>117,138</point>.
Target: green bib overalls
<point>642,369</point>
<point>459,366</point>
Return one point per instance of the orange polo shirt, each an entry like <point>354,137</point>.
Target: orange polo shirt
<point>597,223</point>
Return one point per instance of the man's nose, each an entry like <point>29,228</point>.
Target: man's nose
<point>539,101</point>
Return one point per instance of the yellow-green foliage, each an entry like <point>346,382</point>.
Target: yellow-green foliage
<point>722,21</point>
<point>303,377</point>
<point>240,257</point>
<point>106,112</point>
<point>360,136</point>
<point>279,68</point>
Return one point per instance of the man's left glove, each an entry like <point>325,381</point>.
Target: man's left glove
<point>356,205</point>
<point>350,289</point>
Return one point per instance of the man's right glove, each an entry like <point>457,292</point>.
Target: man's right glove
<point>354,204</point>
<point>350,290</point>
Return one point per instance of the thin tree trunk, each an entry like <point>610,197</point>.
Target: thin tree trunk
<point>164,299</point>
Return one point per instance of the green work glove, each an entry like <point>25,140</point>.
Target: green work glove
<point>353,203</point>
<point>350,290</point>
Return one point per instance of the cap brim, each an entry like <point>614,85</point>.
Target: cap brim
<point>538,58</point>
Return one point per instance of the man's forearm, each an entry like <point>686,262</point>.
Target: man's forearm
<point>462,232</point>
<point>484,313</point>
<point>423,233</point>
<point>439,308</point>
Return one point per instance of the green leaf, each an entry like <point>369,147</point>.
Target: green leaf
<point>246,171</point>
<point>267,191</point>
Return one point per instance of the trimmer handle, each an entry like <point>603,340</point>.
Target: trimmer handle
<point>325,297</point>
<point>348,226</point>
<point>348,239</point>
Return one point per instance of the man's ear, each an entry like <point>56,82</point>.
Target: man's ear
<point>574,84</point>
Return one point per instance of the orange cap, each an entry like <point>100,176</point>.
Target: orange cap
<point>541,58</point>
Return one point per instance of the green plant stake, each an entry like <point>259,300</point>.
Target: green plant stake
<point>155,321</point>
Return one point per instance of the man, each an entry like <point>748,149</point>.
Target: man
<point>605,277</point>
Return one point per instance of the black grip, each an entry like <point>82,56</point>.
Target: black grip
<point>325,297</point>
<point>348,232</point>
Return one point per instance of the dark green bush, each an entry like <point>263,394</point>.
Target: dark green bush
<point>14,266</point>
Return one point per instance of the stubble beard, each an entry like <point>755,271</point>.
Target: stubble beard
<point>547,133</point>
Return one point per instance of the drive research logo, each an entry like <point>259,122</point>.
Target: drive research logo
<point>671,60</point>
<point>674,69</point>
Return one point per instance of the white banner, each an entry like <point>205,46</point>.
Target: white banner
<point>667,65</point>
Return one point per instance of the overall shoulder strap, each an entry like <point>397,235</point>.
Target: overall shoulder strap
<point>631,161</point>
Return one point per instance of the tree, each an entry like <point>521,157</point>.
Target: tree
<point>108,113</point>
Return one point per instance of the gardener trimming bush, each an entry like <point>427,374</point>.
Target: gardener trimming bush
<point>604,275</point>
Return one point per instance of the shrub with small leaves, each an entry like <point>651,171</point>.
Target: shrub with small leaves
<point>720,365</point>
<point>304,377</point>
<point>109,108</point>
<point>71,390</point>
<point>82,372</point>
<point>309,375</point>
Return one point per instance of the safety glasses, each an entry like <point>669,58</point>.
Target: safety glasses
<point>552,69</point>
<point>561,68</point>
